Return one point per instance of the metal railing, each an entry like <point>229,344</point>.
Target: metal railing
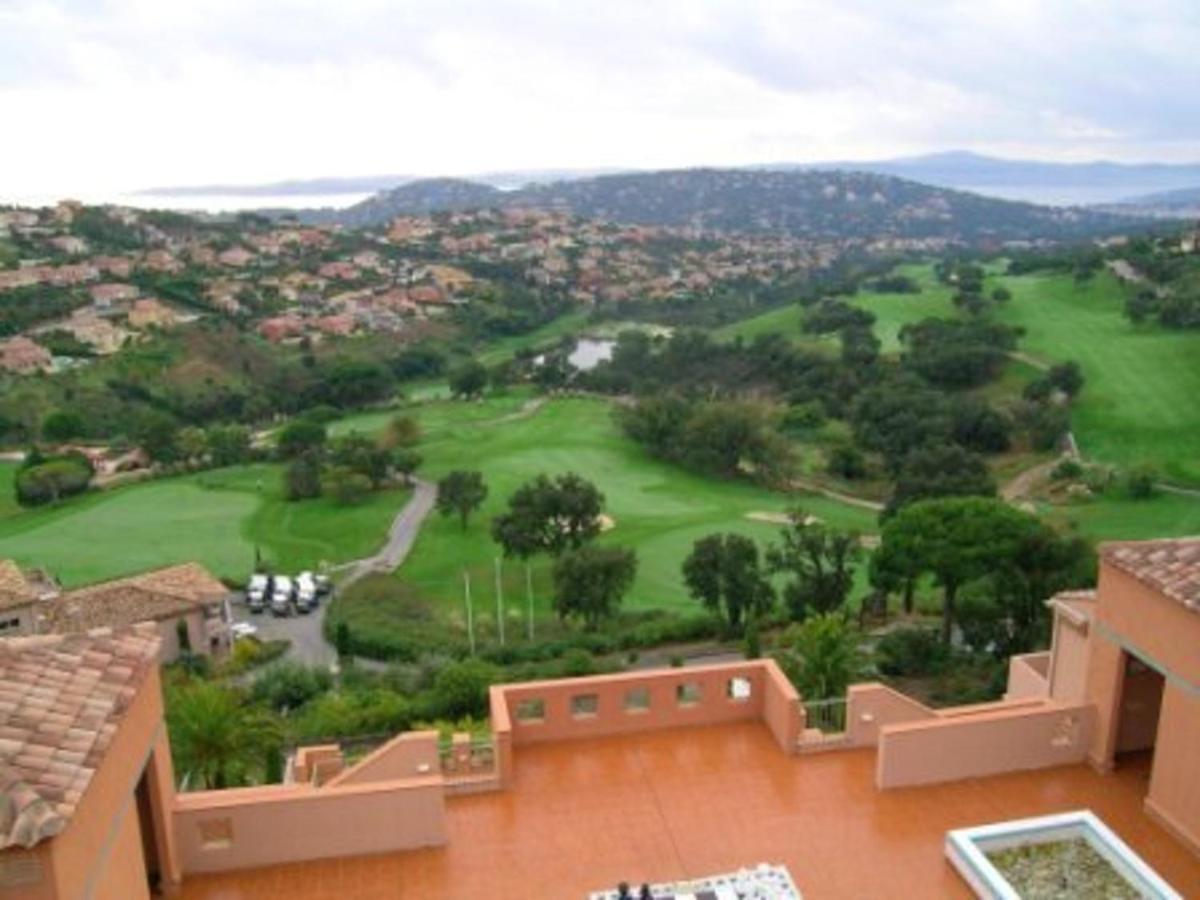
<point>476,758</point>
<point>828,716</point>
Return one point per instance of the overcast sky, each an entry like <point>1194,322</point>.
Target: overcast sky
<point>109,95</point>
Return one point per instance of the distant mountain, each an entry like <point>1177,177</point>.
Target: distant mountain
<point>429,195</point>
<point>804,203</point>
<point>1034,181</point>
<point>1178,204</point>
<point>1030,180</point>
<point>365,184</point>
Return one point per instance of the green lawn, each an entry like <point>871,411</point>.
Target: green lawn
<point>892,312</point>
<point>1113,518</point>
<point>658,509</point>
<point>217,518</point>
<point>8,499</point>
<point>1141,401</point>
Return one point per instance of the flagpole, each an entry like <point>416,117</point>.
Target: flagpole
<point>470,615</point>
<point>529,594</point>
<point>499,603</point>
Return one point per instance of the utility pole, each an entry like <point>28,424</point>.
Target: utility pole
<point>499,603</point>
<point>470,614</point>
<point>529,595</point>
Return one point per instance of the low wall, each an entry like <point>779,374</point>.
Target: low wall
<point>1028,676</point>
<point>408,755</point>
<point>630,702</point>
<point>985,741</point>
<point>253,827</point>
<point>871,706</point>
<point>781,708</point>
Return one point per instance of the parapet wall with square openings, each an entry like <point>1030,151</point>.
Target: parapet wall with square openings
<point>603,705</point>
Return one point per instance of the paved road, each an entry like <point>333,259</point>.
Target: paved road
<point>401,536</point>
<point>306,632</point>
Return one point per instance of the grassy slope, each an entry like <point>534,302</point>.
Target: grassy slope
<point>1139,403</point>
<point>214,517</point>
<point>892,311</point>
<point>658,508</point>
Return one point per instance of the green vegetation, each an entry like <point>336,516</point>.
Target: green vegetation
<point>1142,381</point>
<point>217,518</point>
<point>654,507</point>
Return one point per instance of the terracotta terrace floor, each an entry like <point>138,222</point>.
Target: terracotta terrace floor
<point>690,802</point>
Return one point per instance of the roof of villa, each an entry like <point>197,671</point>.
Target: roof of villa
<point>15,588</point>
<point>159,594</point>
<point>1170,566</point>
<point>62,699</point>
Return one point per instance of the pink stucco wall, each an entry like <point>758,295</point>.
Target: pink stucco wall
<point>871,706</point>
<point>771,699</point>
<point>1174,797</point>
<point>1027,676</point>
<point>409,755</point>
<point>966,744</point>
<point>283,823</point>
<point>1070,648</point>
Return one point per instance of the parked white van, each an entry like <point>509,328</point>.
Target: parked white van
<point>281,596</point>
<point>257,591</point>
<point>306,592</point>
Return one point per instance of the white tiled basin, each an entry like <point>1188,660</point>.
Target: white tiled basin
<point>968,849</point>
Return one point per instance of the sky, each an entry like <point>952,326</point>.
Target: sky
<point>114,95</point>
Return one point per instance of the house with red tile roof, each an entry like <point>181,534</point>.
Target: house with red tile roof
<point>280,328</point>
<point>177,599</point>
<point>18,594</point>
<point>23,356</point>
<point>86,783</point>
<point>148,312</point>
<point>237,257</point>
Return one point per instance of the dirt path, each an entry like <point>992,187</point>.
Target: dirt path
<point>1020,487</point>
<point>528,408</point>
<point>814,487</point>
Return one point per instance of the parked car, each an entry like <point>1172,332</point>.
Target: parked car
<point>257,592</point>
<point>324,585</point>
<point>281,595</point>
<point>306,593</point>
<point>243,630</point>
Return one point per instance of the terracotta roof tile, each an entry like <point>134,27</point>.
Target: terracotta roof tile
<point>58,718</point>
<point>1170,566</point>
<point>150,596</point>
<point>15,588</point>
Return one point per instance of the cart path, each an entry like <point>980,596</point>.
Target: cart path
<point>401,536</point>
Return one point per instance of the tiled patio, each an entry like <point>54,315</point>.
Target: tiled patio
<point>688,802</point>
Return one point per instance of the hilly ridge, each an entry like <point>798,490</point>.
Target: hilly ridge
<point>799,203</point>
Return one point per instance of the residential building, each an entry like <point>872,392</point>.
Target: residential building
<point>236,257</point>
<point>106,294</point>
<point>178,599</point>
<point>151,313</point>
<point>85,769</point>
<point>18,594</point>
<point>23,356</point>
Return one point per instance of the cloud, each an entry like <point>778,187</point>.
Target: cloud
<point>112,94</point>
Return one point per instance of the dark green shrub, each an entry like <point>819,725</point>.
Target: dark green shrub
<point>911,651</point>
